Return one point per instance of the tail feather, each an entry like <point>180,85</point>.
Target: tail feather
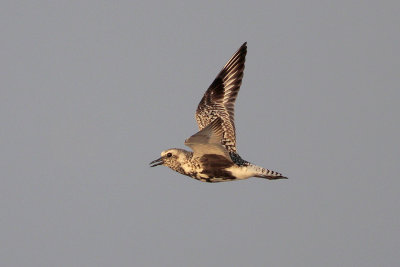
<point>268,174</point>
<point>270,177</point>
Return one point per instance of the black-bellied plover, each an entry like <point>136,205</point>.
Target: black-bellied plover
<point>214,157</point>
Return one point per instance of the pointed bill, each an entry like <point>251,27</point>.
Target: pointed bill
<point>157,162</point>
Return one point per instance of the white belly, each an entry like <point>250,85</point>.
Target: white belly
<point>241,172</point>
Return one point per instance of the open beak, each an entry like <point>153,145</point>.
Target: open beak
<point>156,162</point>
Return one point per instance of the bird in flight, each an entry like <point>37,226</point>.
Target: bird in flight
<point>214,157</point>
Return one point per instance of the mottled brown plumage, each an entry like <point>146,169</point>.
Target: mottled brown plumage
<point>214,157</point>
<point>219,99</point>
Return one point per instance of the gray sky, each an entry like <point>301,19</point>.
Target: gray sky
<point>91,92</point>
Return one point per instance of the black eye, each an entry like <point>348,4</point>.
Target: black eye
<point>169,155</point>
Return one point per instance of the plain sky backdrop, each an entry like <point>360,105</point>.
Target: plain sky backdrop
<point>92,91</point>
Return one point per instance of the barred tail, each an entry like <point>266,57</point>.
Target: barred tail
<point>268,174</point>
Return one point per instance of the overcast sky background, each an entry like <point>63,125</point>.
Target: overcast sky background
<point>92,91</point>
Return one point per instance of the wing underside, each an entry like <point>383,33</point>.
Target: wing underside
<point>208,141</point>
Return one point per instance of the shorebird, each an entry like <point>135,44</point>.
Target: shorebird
<point>214,157</point>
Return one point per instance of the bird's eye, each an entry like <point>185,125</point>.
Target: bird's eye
<point>169,155</point>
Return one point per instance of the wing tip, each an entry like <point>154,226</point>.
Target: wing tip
<point>242,49</point>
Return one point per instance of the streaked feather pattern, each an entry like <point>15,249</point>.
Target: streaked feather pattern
<point>214,157</point>
<point>219,99</point>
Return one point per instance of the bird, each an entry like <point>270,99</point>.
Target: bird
<point>214,157</point>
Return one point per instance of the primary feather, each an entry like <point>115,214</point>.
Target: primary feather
<point>219,99</point>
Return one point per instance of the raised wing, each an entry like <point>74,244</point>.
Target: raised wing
<point>208,141</point>
<point>219,99</point>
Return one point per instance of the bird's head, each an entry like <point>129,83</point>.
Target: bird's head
<point>169,158</point>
